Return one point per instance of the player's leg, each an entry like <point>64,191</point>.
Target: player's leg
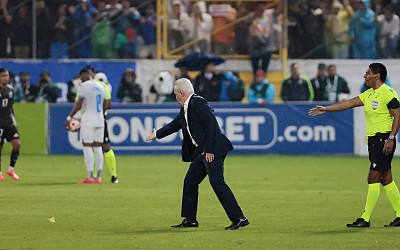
<point>87,134</point>
<point>392,193</point>
<point>109,156</point>
<point>98,153</point>
<point>11,134</point>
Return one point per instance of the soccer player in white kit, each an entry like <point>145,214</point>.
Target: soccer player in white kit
<point>91,102</point>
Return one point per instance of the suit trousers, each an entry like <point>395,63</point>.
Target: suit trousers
<point>198,170</point>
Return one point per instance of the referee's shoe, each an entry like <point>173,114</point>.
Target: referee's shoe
<point>395,223</point>
<point>360,222</point>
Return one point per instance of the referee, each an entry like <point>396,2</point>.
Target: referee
<point>382,113</point>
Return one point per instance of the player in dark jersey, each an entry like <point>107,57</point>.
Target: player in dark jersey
<point>8,126</point>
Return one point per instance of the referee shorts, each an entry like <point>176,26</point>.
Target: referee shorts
<point>106,138</point>
<point>379,161</point>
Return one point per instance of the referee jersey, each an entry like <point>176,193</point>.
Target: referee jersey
<point>377,103</point>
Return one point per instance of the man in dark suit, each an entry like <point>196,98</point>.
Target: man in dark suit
<point>205,147</point>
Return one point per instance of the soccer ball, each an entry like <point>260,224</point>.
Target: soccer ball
<point>74,125</point>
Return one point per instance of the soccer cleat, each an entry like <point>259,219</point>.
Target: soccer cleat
<point>13,175</point>
<point>241,223</point>
<point>114,180</point>
<point>360,222</point>
<point>395,223</point>
<point>87,181</point>
<point>97,180</point>
<point>1,177</point>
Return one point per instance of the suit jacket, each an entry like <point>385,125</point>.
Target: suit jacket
<point>203,128</point>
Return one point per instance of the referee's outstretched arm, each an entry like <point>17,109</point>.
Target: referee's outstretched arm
<point>348,104</point>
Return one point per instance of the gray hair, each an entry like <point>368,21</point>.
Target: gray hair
<point>184,85</point>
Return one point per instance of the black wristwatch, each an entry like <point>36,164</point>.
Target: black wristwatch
<point>391,137</point>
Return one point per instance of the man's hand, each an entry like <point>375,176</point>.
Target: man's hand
<point>209,157</point>
<point>388,147</point>
<point>318,110</point>
<point>152,136</point>
<point>67,121</point>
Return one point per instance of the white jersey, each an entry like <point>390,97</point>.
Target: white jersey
<point>93,94</point>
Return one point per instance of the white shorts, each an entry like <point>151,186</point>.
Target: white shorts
<point>92,134</point>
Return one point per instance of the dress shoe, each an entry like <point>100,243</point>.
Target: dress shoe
<point>242,222</point>
<point>188,223</point>
<point>360,222</point>
<point>395,223</point>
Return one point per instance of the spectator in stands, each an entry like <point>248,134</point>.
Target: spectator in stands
<point>296,87</point>
<point>232,87</point>
<point>129,90</point>
<point>44,29</point>
<point>183,73</point>
<point>25,91</point>
<point>126,18</point>
<point>126,23</point>
<point>336,89</point>
<point>114,7</point>
<point>22,25</point>
<point>102,41</point>
<point>73,88</point>
<point>337,27</point>
<point>48,91</point>
<point>148,33</point>
<point>363,32</point>
<point>389,29</point>
<point>199,25</point>
<point>319,83</point>
<point>126,44</point>
<point>295,30</point>
<point>177,26</point>
<point>208,83</point>
<point>6,30</point>
<point>242,28</point>
<point>13,81</point>
<point>224,41</point>
<point>261,91</point>
<point>61,33</point>
<point>261,38</point>
<point>311,19</point>
<point>83,21</point>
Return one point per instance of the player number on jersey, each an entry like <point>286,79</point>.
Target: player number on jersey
<point>98,103</point>
<point>4,103</point>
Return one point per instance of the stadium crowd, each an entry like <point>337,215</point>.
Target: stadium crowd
<point>127,28</point>
<point>107,29</point>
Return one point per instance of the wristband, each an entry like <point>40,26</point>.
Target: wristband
<point>69,118</point>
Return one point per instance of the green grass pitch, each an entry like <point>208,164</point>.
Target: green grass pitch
<point>292,202</point>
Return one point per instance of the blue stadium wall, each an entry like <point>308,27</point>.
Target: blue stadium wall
<point>276,129</point>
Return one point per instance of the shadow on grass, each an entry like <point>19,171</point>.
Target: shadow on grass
<point>49,183</point>
<point>337,231</point>
<point>162,231</point>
